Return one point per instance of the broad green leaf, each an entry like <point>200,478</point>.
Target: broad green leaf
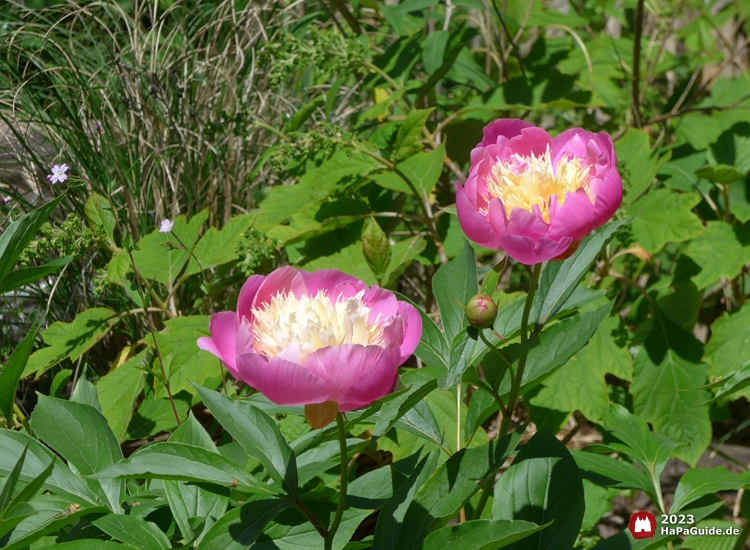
<point>454,284</point>
<point>729,347</point>
<point>85,393</point>
<point>182,462</point>
<point>410,132</point>
<point>7,492</point>
<point>403,253</point>
<point>598,503</point>
<point>155,416</point>
<point>184,361</point>
<point>451,486</point>
<point>423,170</point>
<point>464,348</point>
<point>433,347</point>
<point>19,233</point>
<point>640,163</point>
<point>15,505</point>
<point>434,50</point>
<point>375,248</point>
<point>38,458</point>
<point>217,247</point>
<point>391,518</point>
<point>734,244</point>
<point>699,482</point>
<point>372,490</point>
<point>560,279</point>
<point>190,500</point>
<point>98,210</point>
<point>28,275</point>
<point>579,384</point>
<point>482,534</point>
<point>720,173</point>
<point>481,407</point>
<point>118,392</point>
<point>667,371</point>
<point>282,202</point>
<point>258,434</point>
<point>650,450</point>
<point>241,527</point>
<point>81,435</point>
<point>610,472</point>
<point>71,340</point>
<point>52,513</point>
<point>85,544</point>
<point>558,343</point>
<point>11,373</point>
<point>291,531</point>
<point>542,485</point>
<point>665,216</point>
<point>395,409</point>
<point>162,256</point>
<point>133,530</point>
<point>332,252</point>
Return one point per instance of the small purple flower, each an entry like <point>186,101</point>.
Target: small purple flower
<point>58,174</point>
<point>166,226</point>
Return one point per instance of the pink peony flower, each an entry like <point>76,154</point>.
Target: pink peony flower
<point>534,196</point>
<point>322,339</point>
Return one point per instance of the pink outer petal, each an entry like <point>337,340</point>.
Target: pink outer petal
<point>333,282</point>
<point>573,219</point>
<point>412,327</point>
<point>283,280</point>
<point>531,141</point>
<point>607,197</point>
<point>341,366</point>
<point>505,127</point>
<point>281,381</point>
<point>572,143</point>
<point>247,295</point>
<point>522,222</point>
<point>473,222</point>
<point>381,302</point>
<point>375,383</point>
<point>223,340</point>
<point>522,249</point>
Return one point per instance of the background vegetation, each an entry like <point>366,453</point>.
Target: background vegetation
<point>330,135</point>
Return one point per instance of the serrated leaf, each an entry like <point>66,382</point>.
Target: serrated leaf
<point>734,244</point>
<point>71,340</point>
<point>118,392</point>
<point>409,133</point>
<point>98,211</point>
<point>720,173</point>
<point>665,216</point>
<point>729,347</point>
<point>667,371</point>
<point>217,247</point>
<point>543,484</point>
<point>375,248</point>
<point>641,163</point>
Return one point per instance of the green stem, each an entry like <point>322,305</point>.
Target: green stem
<point>740,544</point>
<point>342,487</point>
<point>516,385</point>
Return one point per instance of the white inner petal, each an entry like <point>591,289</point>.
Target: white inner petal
<point>310,323</point>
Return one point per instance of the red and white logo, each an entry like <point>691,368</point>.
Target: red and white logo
<point>642,525</point>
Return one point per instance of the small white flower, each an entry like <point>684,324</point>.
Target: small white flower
<point>58,174</point>
<point>166,226</point>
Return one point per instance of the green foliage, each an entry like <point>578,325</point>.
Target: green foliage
<point>331,136</point>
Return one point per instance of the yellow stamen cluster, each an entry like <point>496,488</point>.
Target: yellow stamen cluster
<point>522,182</point>
<point>313,322</point>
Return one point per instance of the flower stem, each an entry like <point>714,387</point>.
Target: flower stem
<point>516,384</point>
<point>342,487</point>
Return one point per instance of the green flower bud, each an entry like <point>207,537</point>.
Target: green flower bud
<point>481,311</point>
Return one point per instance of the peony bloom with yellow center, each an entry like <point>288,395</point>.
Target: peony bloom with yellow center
<point>324,340</point>
<point>536,197</point>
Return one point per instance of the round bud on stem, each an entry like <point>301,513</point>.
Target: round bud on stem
<point>481,311</point>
